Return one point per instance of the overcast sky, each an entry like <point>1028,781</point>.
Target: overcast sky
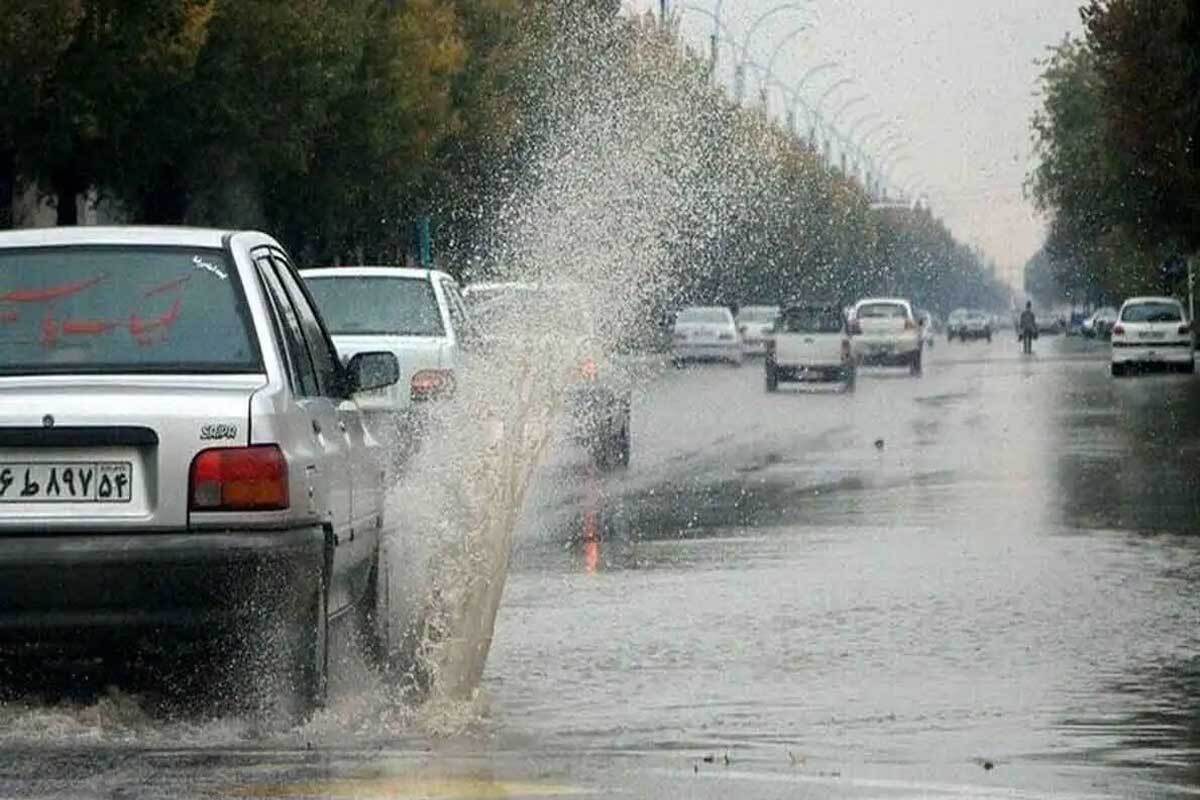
<point>958,77</point>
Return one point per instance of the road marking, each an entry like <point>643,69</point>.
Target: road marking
<point>399,788</point>
<point>920,789</point>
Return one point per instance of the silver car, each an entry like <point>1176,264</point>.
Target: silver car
<point>181,456</point>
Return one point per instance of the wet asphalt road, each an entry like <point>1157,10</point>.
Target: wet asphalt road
<point>977,583</point>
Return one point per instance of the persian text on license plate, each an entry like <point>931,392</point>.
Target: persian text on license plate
<point>66,482</point>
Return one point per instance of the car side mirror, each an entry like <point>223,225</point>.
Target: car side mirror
<point>372,370</point>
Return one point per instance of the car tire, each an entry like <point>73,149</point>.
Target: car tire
<point>1119,370</point>
<point>308,656</point>
<point>622,446</point>
<point>393,653</point>
<point>772,378</point>
<point>914,366</point>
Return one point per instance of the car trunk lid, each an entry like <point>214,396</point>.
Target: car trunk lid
<point>111,452</point>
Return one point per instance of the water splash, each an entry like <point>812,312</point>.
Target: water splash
<point>619,183</point>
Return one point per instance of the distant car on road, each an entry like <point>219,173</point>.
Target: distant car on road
<point>969,324</point>
<point>416,314</point>
<point>182,458</point>
<point>754,324</point>
<point>885,332</point>
<point>810,343</point>
<point>1100,324</point>
<point>1152,331</point>
<point>512,316</point>
<point>705,333</point>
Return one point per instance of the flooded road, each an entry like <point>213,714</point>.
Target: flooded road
<point>977,583</point>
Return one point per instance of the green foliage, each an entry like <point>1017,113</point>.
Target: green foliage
<point>337,123</point>
<point>1117,134</point>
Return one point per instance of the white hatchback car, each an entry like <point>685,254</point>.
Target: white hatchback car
<point>706,333</point>
<point>886,333</point>
<point>417,314</point>
<point>1152,331</point>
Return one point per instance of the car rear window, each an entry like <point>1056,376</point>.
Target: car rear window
<point>123,309</point>
<point>383,305</point>
<point>882,311</point>
<point>1152,312</point>
<point>757,314</point>
<point>812,320</point>
<point>711,316</point>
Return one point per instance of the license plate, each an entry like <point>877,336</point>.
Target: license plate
<point>66,482</point>
<point>1153,335</point>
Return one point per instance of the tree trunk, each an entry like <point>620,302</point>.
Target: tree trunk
<point>8,188</point>
<point>66,205</point>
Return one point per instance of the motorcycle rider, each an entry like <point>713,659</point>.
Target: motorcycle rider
<point>1028,327</point>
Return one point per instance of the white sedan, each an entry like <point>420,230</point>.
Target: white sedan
<point>1152,331</point>
<point>755,324</point>
<point>886,333</point>
<point>706,333</point>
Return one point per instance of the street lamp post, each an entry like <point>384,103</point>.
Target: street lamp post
<point>778,51</point>
<point>831,129</point>
<point>739,78</point>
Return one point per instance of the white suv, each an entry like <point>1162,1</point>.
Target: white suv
<point>1152,331</point>
<point>886,333</point>
<point>808,343</point>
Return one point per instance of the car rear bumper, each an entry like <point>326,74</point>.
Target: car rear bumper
<point>73,590</point>
<point>1160,353</point>
<point>885,352</point>
<point>796,373</point>
<point>706,352</point>
<point>754,346</point>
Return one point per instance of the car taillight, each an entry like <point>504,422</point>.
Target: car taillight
<point>1118,330</point>
<point>430,384</point>
<point>588,370</point>
<point>239,479</point>
<point>909,324</point>
<point>1184,330</point>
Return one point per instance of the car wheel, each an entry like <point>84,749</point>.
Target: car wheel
<point>772,381</point>
<point>622,445</point>
<point>1119,370</point>
<point>914,366</point>
<point>391,650</point>
<point>308,653</point>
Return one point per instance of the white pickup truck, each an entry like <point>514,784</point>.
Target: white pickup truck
<point>810,343</point>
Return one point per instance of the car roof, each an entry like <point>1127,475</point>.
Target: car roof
<point>882,300</point>
<point>373,272</point>
<point>1150,299</point>
<point>75,235</point>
